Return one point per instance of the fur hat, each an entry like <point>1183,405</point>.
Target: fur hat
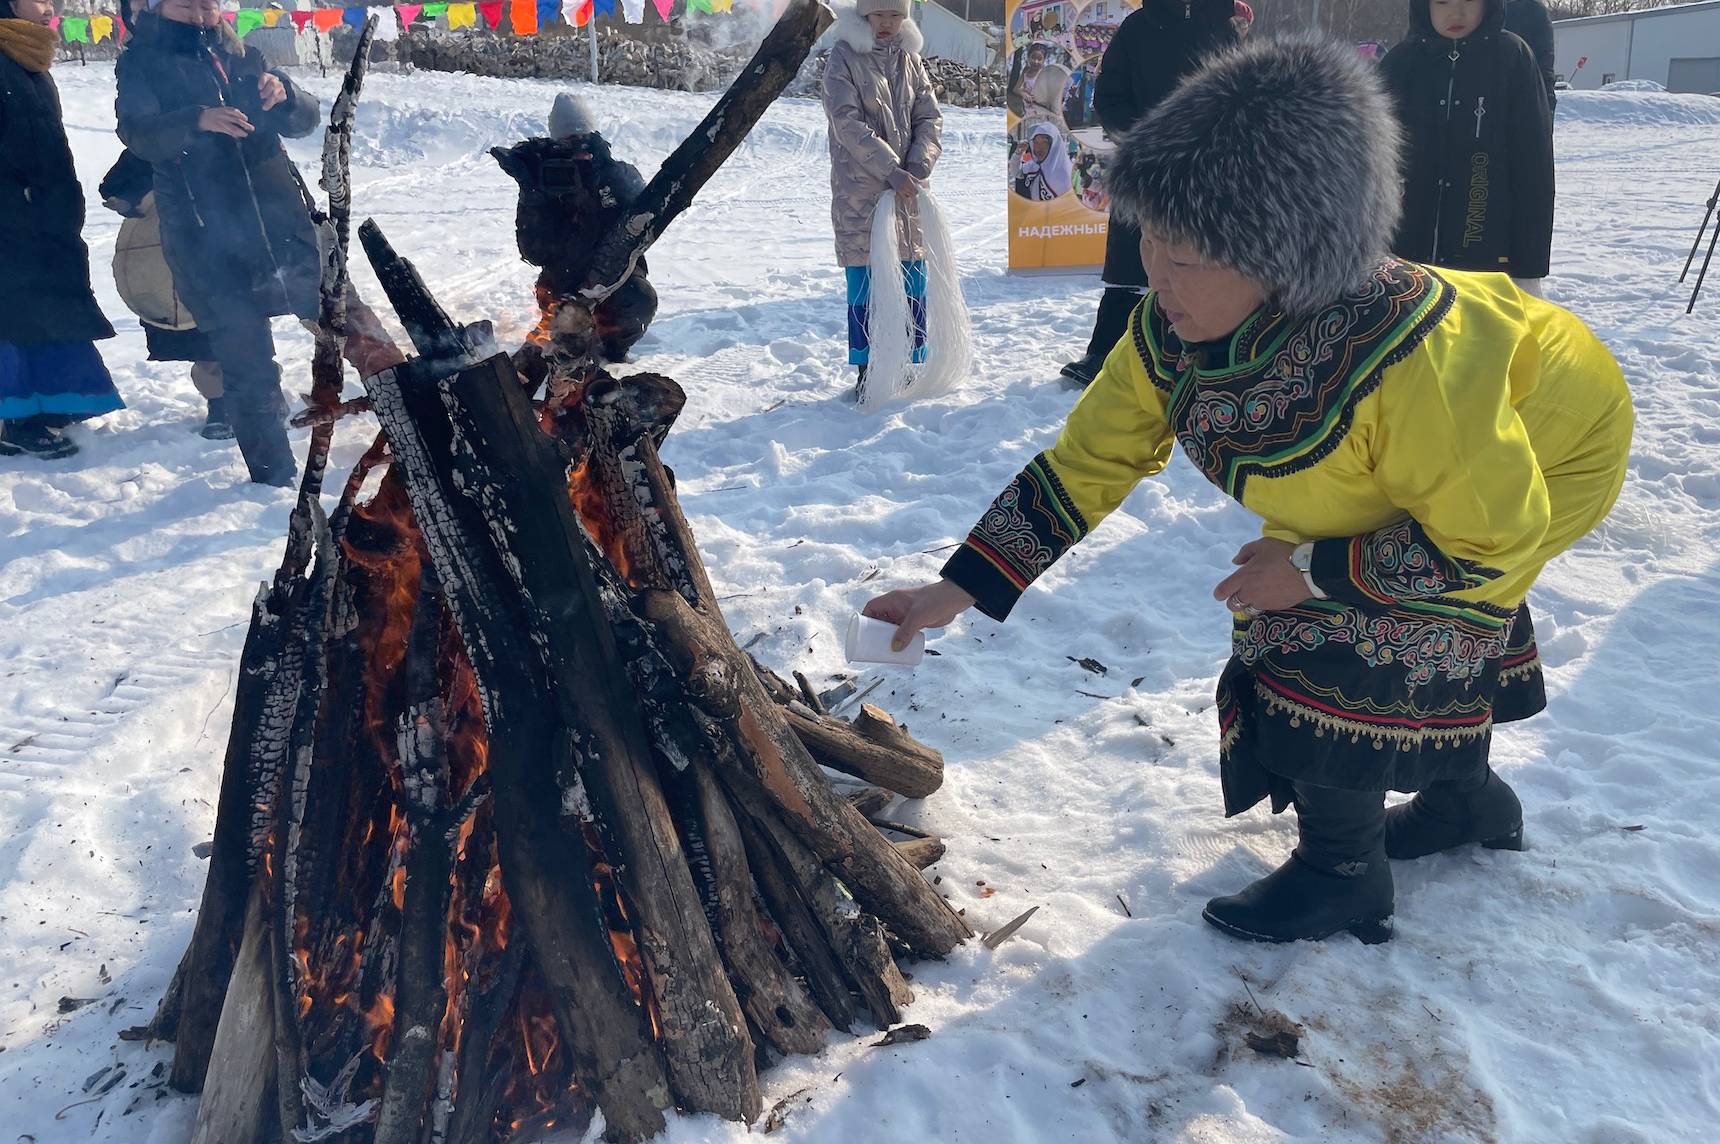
<point>867,7</point>
<point>1278,160</point>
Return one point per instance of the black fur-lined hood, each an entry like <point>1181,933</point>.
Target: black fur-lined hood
<point>1279,159</point>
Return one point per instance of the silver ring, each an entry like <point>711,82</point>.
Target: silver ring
<point>1251,611</point>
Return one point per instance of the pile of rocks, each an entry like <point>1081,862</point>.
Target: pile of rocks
<point>961,86</point>
<point>956,84</point>
<point>673,64</point>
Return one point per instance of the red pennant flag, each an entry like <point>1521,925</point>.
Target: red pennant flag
<point>664,7</point>
<point>301,20</point>
<point>491,10</point>
<point>408,13</point>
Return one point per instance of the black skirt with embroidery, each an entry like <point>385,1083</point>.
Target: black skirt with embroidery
<point>1368,712</point>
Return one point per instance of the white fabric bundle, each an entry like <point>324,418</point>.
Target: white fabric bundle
<point>891,372</point>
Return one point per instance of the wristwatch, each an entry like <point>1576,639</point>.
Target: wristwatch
<point>1302,559</point>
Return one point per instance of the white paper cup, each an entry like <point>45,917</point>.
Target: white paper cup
<point>868,641</point>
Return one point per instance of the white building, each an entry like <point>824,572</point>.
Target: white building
<point>1678,47</point>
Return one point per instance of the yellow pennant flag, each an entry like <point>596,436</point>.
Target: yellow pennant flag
<point>101,27</point>
<point>462,15</point>
<point>722,5</point>
<point>271,17</point>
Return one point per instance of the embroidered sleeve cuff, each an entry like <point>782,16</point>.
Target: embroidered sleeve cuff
<point>1397,562</point>
<point>993,592</point>
<point>1027,528</point>
<point>1330,571</point>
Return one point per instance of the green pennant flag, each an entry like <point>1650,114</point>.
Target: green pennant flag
<point>431,11</point>
<point>77,29</point>
<point>699,6</point>
<point>249,20</point>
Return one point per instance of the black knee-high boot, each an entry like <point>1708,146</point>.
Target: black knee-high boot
<point>1479,807</point>
<point>1337,878</point>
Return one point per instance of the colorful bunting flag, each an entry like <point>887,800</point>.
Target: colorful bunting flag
<point>525,17</point>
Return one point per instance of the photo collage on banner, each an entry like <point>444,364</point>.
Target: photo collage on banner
<point>1058,204</point>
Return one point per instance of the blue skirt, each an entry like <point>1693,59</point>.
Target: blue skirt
<point>860,303</point>
<point>63,380</point>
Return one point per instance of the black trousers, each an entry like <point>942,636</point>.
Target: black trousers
<point>241,341</point>
<point>1115,306</point>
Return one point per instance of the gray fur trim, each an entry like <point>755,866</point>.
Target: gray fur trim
<point>1279,159</point>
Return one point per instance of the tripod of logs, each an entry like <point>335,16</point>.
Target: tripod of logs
<point>510,831</point>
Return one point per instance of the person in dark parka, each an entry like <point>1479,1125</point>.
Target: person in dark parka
<point>50,372</point>
<point>1530,22</point>
<point>209,116</point>
<point>573,192</point>
<point>1154,48</point>
<point>1478,172</point>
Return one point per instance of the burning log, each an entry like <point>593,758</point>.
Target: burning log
<point>510,830</point>
<point>691,165</point>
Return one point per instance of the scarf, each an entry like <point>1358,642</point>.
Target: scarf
<point>1051,177</point>
<point>30,45</point>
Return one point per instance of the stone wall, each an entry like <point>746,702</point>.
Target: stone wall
<point>672,63</point>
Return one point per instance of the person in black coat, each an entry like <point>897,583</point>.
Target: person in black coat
<point>1478,171</point>
<point>1530,22</point>
<point>1154,48</point>
<point>573,192</point>
<point>209,116</point>
<point>50,372</point>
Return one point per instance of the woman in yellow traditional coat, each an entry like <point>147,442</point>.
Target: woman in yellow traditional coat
<point>1418,444</point>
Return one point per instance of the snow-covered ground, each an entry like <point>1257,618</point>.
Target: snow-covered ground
<point>1565,994</point>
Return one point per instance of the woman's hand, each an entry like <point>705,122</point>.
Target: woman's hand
<point>1266,581</point>
<point>224,121</point>
<point>271,90</point>
<point>904,184</point>
<point>910,609</point>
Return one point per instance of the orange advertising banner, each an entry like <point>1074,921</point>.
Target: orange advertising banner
<point>1058,203</point>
